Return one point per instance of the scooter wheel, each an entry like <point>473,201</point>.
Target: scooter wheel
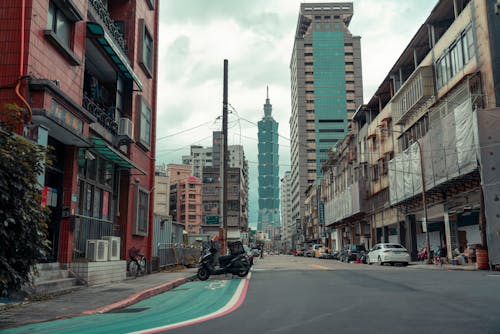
<point>242,273</point>
<point>203,274</point>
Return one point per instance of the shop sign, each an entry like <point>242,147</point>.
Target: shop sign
<point>66,117</point>
<point>212,220</point>
<point>321,213</point>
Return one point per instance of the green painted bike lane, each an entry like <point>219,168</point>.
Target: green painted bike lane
<point>188,301</point>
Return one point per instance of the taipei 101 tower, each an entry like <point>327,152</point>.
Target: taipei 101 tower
<point>269,202</point>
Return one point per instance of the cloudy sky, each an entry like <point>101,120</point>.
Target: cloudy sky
<point>257,38</point>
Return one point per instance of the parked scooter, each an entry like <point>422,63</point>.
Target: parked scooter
<point>362,257</point>
<point>235,263</point>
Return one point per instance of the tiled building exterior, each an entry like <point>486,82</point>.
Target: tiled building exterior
<point>85,72</point>
<point>185,197</point>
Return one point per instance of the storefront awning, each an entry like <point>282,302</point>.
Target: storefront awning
<point>97,32</point>
<point>108,152</point>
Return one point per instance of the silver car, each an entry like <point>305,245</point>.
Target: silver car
<point>388,253</point>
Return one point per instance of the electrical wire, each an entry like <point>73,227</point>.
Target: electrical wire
<point>184,131</point>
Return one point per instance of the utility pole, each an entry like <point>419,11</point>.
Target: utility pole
<point>424,202</point>
<point>223,231</point>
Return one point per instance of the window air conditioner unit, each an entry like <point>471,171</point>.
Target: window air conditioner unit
<point>126,127</point>
<point>114,248</point>
<point>96,250</point>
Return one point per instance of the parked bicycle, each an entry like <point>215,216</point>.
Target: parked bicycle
<point>136,263</point>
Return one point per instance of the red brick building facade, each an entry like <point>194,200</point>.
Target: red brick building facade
<point>85,73</point>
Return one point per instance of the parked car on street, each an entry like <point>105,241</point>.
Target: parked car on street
<point>300,252</point>
<point>388,253</point>
<point>325,254</point>
<point>314,250</point>
<point>351,252</point>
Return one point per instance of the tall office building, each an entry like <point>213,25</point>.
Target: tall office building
<point>326,89</point>
<point>269,203</point>
<point>288,229</point>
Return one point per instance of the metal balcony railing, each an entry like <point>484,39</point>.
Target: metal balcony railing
<point>103,117</point>
<point>110,24</point>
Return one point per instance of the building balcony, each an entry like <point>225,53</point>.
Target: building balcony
<point>101,13</point>
<point>413,94</point>
<point>345,203</point>
<point>104,116</point>
<point>446,154</point>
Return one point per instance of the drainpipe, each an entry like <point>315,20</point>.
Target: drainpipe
<point>21,56</point>
<point>21,62</point>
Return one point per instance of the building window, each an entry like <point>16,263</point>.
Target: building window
<point>151,4</point>
<point>59,24</point>
<point>60,21</point>
<point>97,188</point>
<point>375,175</point>
<point>146,49</point>
<point>144,121</point>
<point>141,217</point>
<point>455,58</point>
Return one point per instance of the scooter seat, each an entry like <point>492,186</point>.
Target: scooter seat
<point>224,260</point>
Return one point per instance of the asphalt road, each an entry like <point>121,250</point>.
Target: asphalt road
<point>288,294</point>
<point>305,295</point>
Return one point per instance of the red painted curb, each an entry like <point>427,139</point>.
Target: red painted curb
<point>137,297</point>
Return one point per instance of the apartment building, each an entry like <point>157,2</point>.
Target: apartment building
<point>86,73</point>
<point>199,157</point>
<point>237,196</point>
<point>185,197</point>
<point>428,140</point>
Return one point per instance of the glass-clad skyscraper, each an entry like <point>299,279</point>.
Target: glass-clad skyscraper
<point>326,89</point>
<point>269,202</point>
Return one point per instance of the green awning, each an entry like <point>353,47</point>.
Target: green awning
<point>109,153</point>
<point>107,43</point>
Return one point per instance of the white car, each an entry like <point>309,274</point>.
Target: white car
<point>388,253</point>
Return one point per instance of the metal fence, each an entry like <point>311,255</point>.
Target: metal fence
<point>169,255</point>
<point>86,228</point>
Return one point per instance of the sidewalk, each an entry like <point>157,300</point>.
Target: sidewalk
<point>94,299</point>
<point>422,265</point>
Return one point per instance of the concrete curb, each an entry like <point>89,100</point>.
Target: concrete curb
<point>139,296</point>
<point>132,299</point>
<point>442,267</point>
